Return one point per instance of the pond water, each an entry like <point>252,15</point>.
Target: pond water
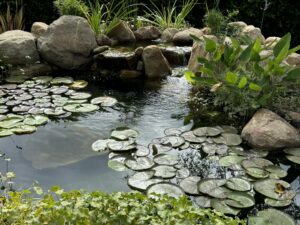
<point>60,153</point>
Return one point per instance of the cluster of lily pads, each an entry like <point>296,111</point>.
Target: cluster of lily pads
<point>159,169</point>
<point>26,104</point>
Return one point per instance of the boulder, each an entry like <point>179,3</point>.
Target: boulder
<point>139,51</point>
<point>293,59</point>
<point>237,25</point>
<point>68,43</point>
<point>253,33</point>
<point>270,42</point>
<point>168,34</point>
<point>122,33</point>
<point>39,69</point>
<point>130,74</point>
<point>100,49</point>
<point>102,39</point>
<point>147,33</point>
<point>155,64</point>
<point>18,48</point>
<point>39,28</point>
<point>176,55</point>
<point>268,131</point>
<point>184,37</point>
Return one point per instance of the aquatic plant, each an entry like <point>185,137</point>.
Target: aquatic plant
<point>169,16</point>
<point>82,207</point>
<point>71,7</point>
<point>12,20</point>
<point>243,80</point>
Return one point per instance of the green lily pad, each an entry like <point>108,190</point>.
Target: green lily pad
<point>62,80</point>
<point>230,160</point>
<point>257,172</point>
<point>16,79</point>
<point>213,188</point>
<point>207,131</point>
<point>55,112</point>
<point>165,172</point>
<point>117,163</point>
<point>80,95</point>
<point>221,206</point>
<point>292,151</point>
<point>213,149</point>
<point>190,185</point>
<point>294,159</point>
<point>11,122</point>
<point>229,129</point>
<point>141,163</point>
<point>277,171</point>
<point>203,201</point>
<point>276,203</point>
<point>79,84</point>
<point>186,145</point>
<point>5,133</point>
<point>121,146</point>
<point>101,145</point>
<point>173,131</point>
<point>124,134</point>
<point>232,139</point>
<point>23,129</point>
<point>36,120</point>
<point>173,141</point>
<point>166,159</point>
<point>59,90</point>
<point>238,184</point>
<point>169,189</point>
<point>183,173</point>
<point>275,189</point>
<point>80,108</point>
<point>240,200</point>
<point>158,148</point>
<point>104,101</point>
<point>256,162</point>
<point>191,137</point>
<point>142,180</point>
<point>271,217</point>
<point>142,151</point>
<point>42,79</point>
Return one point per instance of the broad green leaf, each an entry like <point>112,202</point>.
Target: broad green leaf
<point>245,56</point>
<point>295,49</point>
<point>193,79</point>
<point>202,60</point>
<point>231,77</point>
<point>206,71</point>
<point>243,82</point>
<point>293,75</point>
<point>281,49</point>
<point>210,45</point>
<point>255,87</point>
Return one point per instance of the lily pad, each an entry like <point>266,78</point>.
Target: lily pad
<point>79,84</point>
<point>257,172</point>
<point>80,95</point>
<point>213,188</point>
<point>117,163</point>
<point>42,79</point>
<point>207,131</point>
<point>232,139</point>
<point>142,151</point>
<point>80,108</point>
<point>275,189</point>
<point>292,151</point>
<point>294,159</point>
<point>213,149</point>
<point>271,217</point>
<point>183,173</point>
<point>36,120</point>
<point>203,201</point>
<point>101,145</point>
<point>230,160</point>
<point>141,163</point>
<point>191,137</point>
<point>121,146</point>
<point>142,180</point>
<point>16,79</point>
<point>221,206</point>
<point>23,129</point>
<point>238,184</point>
<point>240,200</point>
<point>158,148</point>
<point>11,122</point>
<point>166,159</point>
<point>276,203</point>
<point>55,112</point>
<point>104,101</point>
<point>173,131</point>
<point>124,134</point>
<point>277,171</point>
<point>186,145</point>
<point>59,90</point>
<point>5,133</point>
<point>62,80</point>
<point>173,141</point>
<point>165,172</point>
<point>190,185</point>
<point>256,162</point>
<point>169,189</point>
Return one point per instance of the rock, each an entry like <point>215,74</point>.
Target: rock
<point>68,43</point>
<point>184,37</point>
<point>293,59</point>
<point>206,31</point>
<point>198,50</point>
<point>176,55</point>
<point>156,65</point>
<point>39,28</point>
<point>140,66</point>
<point>294,116</point>
<point>168,34</point>
<point>268,131</point>
<point>122,33</point>
<point>130,74</point>
<point>270,42</point>
<point>18,47</point>
<point>237,25</point>
<point>139,51</point>
<point>147,33</point>
<point>100,49</point>
<point>32,70</point>
<point>253,33</point>
<point>102,39</point>
<point>117,59</point>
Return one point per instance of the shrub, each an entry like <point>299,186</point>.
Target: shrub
<point>244,80</point>
<point>71,7</point>
<point>12,19</point>
<point>81,207</point>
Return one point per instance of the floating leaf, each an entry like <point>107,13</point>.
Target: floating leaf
<point>23,129</point>
<point>104,101</point>
<point>292,151</point>
<point>142,180</point>
<point>173,141</point>
<point>190,185</point>
<point>240,200</point>
<point>124,134</point>
<point>165,172</point>
<point>62,80</point>
<point>277,203</point>
<point>257,172</point>
<point>79,84</point>
<point>213,188</point>
<point>166,159</point>
<point>271,217</point>
<point>80,95</point>
<point>80,108</point>
<point>256,162</point>
<point>173,131</point>
<point>183,173</point>
<point>42,79</point>
<point>276,170</point>
<point>169,189</point>
<point>121,146</point>
<point>191,137</point>
<point>11,122</point>
<point>221,206</point>
<point>36,120</point>
<point>141,163</point>
<point>207,131</point>
<point>238,184</point>
<point>203,201</point>
<point>232,139</point>
<point>142,151</point>
<point>5,133</point>
<point>230,160</point>
<point>117,163</point>
<point>101,145</point>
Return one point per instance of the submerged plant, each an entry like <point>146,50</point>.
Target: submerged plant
<point>169,16</point>
<point>12,20</point>
<point>241,79</point>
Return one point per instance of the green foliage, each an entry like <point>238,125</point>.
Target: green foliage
<point>71,7</point>
<point>12,19</point>
<point>81,207</point>
<point>168,16</point>
<point>242,79</point>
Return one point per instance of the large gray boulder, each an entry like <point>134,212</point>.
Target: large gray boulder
<point>184,37</point>
<point>253,33</point>
<point>293,59</point>
<point>68,43</point>
<point>147,33</point>
<point>156,65</point>
<point>122,33</point>
<point>168,34</point>
<point>39,28</point>
<point>18,47</point>
<point>268,131</point>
